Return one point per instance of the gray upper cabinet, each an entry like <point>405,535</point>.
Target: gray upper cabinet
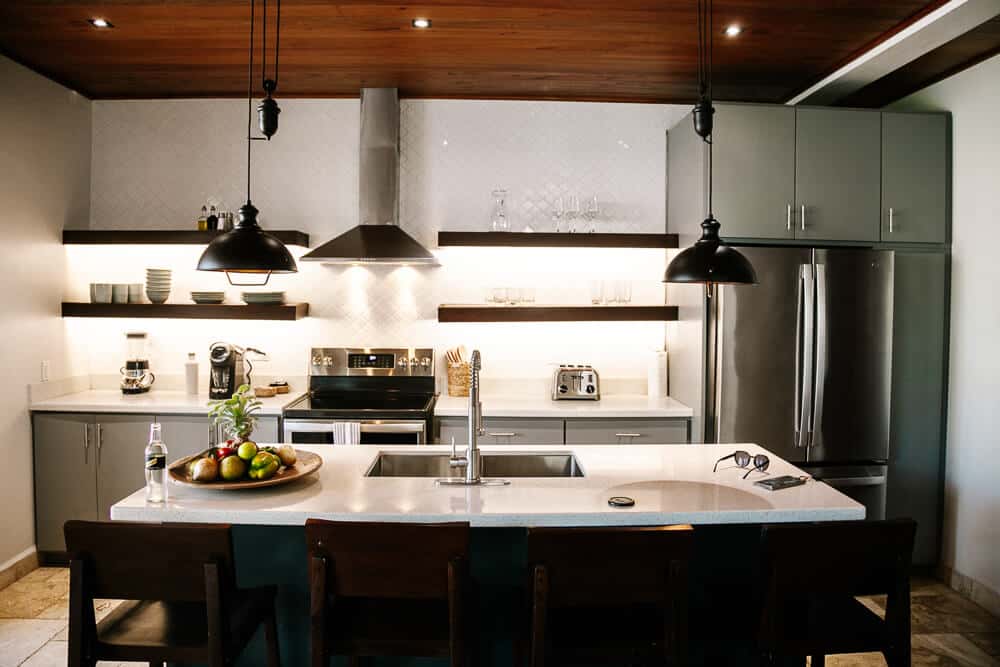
<point>837,174</point>
<point>754,156</point>
<point>914,178</point>
<point>121,447</point>
<point>65,467</point>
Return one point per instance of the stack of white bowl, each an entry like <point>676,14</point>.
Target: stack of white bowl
<point>158,285</point>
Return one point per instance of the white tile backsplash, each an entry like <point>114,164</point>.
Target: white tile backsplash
<point>155,162</point>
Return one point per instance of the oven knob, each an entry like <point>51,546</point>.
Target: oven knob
<point>425,362</point>
<point>317,360</point>
<point>563,389</point>
<point>328,361</point>
<point>414,362</point>
<point>402,363</point>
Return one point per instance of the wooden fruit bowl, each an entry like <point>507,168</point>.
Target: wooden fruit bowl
<point>306,464</point>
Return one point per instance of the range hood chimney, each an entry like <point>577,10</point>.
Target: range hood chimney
<point>378,238</point>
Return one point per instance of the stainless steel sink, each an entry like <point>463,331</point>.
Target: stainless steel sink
<point>495,464</point>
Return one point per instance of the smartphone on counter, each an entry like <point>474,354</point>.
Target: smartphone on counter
<point>782,482</point>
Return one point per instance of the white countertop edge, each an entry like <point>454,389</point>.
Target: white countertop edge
<point>162,402</point>
<point>611,406</point>
<point>622,517</point>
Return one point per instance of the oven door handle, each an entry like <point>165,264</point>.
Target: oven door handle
<point>366,426</point>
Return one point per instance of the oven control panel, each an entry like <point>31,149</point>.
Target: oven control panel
<point>372,361</point>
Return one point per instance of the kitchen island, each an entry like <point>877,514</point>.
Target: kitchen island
<point>670,484</point>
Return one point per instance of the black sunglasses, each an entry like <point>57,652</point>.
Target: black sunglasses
<point>743,459</point>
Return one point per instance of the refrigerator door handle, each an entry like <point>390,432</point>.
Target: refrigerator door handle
<point>805,337</point>
<point>816,425</point>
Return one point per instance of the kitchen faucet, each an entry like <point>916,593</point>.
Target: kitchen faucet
<point>472,462</point>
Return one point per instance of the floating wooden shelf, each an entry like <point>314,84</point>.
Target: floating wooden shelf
<point>625,313</point>
<point>552,240</point>
<point>188,311</point>
<point>166,236</point>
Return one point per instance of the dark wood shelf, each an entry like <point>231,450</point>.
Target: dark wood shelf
<point>166,236</point>
<point>553,240</point>
<point>624,313</point>
<point>188,311</point>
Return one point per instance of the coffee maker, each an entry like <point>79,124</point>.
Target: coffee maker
<point>228,370</point>
<point>136,376</point>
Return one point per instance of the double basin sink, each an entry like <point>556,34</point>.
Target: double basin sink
<point>495,464</point>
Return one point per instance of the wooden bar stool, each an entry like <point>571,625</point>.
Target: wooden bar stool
<point>812,573</point>
<point>609,595</point>
<point>184,604</point>
<point>388,589</point>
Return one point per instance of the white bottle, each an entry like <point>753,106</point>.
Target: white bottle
<point>191,375</point>
<point>156,466</point>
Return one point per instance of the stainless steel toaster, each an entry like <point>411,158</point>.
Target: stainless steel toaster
<point>576,383</point>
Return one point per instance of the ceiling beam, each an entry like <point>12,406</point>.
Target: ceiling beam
<point>929,32</point>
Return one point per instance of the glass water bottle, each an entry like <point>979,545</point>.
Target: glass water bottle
<point>156,466</point>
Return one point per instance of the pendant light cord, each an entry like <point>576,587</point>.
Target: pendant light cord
<point>706,39</point>
<point>250,95</point>
<point>277,46</point>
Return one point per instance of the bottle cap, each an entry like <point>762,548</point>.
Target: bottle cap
<point>191,355</point>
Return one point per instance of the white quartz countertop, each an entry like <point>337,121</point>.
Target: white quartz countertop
<point>610,406</point>
<point>670,484</point>
<point>155,402</point>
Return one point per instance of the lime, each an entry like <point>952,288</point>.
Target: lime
<point>247,450</point>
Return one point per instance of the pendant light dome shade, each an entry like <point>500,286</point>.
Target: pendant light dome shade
<point>710,261</point>
<point>247,249</point>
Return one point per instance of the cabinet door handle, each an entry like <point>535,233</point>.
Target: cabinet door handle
<point>86,443</point>
<point>628,435</point>
<point>890,220</point>
<point>510,434</point>
<point>100,442</point>
<point>803,211</point>
<point>788,217</point>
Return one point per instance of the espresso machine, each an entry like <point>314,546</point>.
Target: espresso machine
<point>230,368</point>
<point>136,376</point>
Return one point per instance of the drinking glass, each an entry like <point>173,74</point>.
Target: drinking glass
<point>597,292</point>
<point>573,214</point>
<point>499,222</point>
<point>558,213</point>
<point>591,213</point>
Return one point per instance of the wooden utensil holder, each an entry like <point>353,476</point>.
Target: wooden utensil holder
<point>458,379</point>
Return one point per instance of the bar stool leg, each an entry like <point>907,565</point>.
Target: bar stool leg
<point>818,660</point>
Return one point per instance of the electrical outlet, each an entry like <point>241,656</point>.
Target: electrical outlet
<point>45,370</point>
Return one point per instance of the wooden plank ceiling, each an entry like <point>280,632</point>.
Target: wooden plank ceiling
<point>615,50</point>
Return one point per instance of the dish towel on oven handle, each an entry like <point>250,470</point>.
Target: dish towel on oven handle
<point>347,433</point>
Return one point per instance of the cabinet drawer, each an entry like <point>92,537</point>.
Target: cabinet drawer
<point>626,431</point>
<point>505,431</point>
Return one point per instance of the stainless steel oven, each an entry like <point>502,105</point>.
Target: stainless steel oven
<point>373,432</point>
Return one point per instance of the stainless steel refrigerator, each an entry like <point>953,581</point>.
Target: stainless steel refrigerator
<point>804,364</point>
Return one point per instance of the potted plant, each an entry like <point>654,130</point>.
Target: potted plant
<point>236,415</point>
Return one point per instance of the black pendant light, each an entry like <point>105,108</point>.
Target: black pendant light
<point>709,260</point>
<point>248,248</point>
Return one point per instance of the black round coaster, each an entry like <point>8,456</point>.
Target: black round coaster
<point>621,501</point>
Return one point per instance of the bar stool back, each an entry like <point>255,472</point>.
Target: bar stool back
<point>813,573</point>
<point>609,595</point>
<point>180,581</point>
<point>388,589</point>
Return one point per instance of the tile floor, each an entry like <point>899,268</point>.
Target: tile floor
<point>947,629</point>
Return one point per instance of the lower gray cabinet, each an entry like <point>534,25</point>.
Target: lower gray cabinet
<point>65,465</point>
<point>626,431</point>
<point>525,431</point>
<point>504,431</point>
<point>121,448</point>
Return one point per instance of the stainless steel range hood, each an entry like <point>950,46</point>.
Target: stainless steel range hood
<point>378,239</point>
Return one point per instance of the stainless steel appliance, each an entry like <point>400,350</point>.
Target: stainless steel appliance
<point>804,362</point>
<point>228,370</point>
<point>136,376</point>
<point>571,382</point>
<point>388,391</point>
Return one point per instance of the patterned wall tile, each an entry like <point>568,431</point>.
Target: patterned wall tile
<point>156,162</point>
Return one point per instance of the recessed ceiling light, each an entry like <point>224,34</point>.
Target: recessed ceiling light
<point>421,23</point>
<point>100,23</point>
<point>733,30</point>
